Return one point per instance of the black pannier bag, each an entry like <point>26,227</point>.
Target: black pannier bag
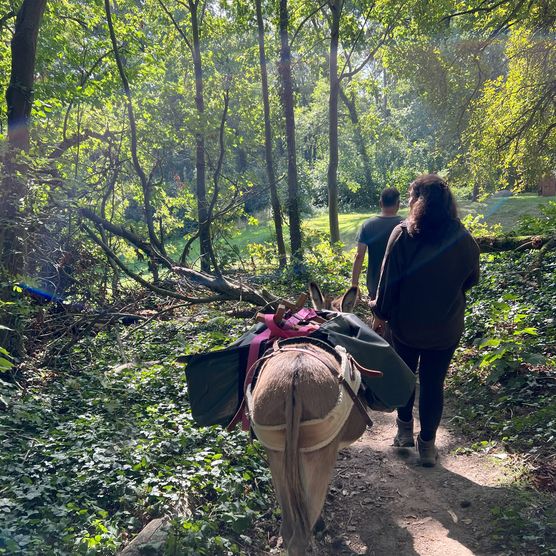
<point>215,380</point>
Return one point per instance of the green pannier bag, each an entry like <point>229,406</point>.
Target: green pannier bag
<point>215,379</point>
<point>372,351</point>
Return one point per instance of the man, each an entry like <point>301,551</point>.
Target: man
<point>373,235</point>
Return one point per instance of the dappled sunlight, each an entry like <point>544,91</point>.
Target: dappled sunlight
<point>172,172</point>
<point>395,506</point>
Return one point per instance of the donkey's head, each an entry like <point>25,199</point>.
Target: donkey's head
<point>345,303</point>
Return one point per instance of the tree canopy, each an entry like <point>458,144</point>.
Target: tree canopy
<point>153,127</point>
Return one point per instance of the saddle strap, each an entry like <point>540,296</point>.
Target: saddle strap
<point>371,373</point>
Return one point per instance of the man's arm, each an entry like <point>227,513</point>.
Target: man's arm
<point>358,263</point>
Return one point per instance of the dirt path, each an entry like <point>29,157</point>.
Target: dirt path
<point>383,503</point>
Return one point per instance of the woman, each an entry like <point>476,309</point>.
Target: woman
<point>430,261</point>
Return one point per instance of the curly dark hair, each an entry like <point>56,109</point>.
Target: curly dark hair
<point>433,208</point>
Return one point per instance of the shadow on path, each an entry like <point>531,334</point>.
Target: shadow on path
<point>383,503</point>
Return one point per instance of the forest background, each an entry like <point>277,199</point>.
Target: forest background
<point>146,143</point>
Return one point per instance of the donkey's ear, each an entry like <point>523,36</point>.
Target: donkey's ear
<point>317,299</point>
<point>349,300</point>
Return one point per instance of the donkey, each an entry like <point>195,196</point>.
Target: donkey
<point>296,393</point>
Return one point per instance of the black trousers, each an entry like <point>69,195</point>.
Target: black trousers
<point>433,366</point>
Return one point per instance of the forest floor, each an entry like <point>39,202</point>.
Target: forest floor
<point>383,503</point>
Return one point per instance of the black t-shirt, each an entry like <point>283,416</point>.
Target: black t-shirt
<point>374,233</point>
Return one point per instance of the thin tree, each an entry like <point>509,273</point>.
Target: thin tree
<point>194,46</point>
<point>360,143</point>
<point>202,206</point>
<point>271,176</point>
<point>19,102</point>
<point>285,72</point>
<point>145,181</point>
<point>336,7</point>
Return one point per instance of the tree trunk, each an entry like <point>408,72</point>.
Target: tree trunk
<point>475,192</point>
<point>19,101</point>
<point>19,95</point>
<point>275,201</point>
<point>202,205</point>
<point>359,139</point>
<point>336,10</point>
<point>287,102</point>
<point>384,94</point>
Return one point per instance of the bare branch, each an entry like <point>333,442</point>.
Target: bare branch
<point>5,18</point>
<point>480,8</point>
<point>299,27</point>
<point>84,78</point>
<point>359,34</point>
<point>176,25</point>
<point>161,291</point>
<point>187,247</point>
<point>547,131</point>
<point>69,142</point>
<point>155,316</point>
<point>371,55</point>
<point>79,22</point>
<point>506,23</point>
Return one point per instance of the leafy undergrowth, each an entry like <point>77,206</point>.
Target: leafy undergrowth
<point>505,373</point>
<point>526,524</point>
<point>91,454</point>
<point>98,445</point>
<point>503,382</point>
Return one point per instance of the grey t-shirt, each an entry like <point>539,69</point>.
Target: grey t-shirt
<point>374,233</point>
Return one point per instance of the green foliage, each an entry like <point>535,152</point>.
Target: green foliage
<point>533,515</point>
<point>510,121</point>
<point>545,224</point>
<point>328,265</point>
<point>504,375</point>
<point>90,455</point>
<point>478,227</point>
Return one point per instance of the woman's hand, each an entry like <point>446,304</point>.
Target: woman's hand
<point>379,326</point>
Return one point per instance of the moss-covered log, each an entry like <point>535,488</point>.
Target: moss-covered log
<point>511,243</point>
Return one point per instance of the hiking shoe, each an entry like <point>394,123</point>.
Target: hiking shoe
<point>404,438</point>
<point>428,454</point>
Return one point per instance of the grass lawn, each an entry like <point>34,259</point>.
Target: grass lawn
<point>505,211</point>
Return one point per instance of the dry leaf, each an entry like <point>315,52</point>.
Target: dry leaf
<point>453,516</point>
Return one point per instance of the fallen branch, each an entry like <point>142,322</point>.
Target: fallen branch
<point>120,231</point>
<point>224,288</point>
<point>512,243</point>
<point>153,317</point>
<point>228,288</point>
<point>161,291</point>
